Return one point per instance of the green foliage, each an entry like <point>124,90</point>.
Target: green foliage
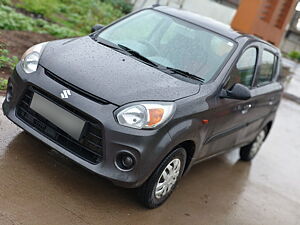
<point>61,18</point>
<point>11,20</point>
<point>123,5</point>
<point>5,60</point>
<point>3,84</point>
<point>5,2</point>
<point>295,55</point>
<point>79,15</point>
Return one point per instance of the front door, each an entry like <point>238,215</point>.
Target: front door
<point>230,115</point>
<point>266,92</point>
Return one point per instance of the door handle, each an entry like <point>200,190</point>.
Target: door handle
<point>246,108</point>
<point>271,101</point>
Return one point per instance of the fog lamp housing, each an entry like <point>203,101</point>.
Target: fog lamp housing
<point>125,161</point>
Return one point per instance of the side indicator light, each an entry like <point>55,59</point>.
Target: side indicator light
<point>205,121</point>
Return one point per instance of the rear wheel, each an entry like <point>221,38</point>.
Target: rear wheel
<point>248,152</point>
<point>158,188</point>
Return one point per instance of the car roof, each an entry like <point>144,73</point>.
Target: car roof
<point>208,23</point>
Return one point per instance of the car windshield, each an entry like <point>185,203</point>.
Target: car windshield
<point>171,42</point>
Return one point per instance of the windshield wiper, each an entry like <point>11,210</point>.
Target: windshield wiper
<point>185,74</point>
<point>138,55</point>
<point>109,44</point>
<point>125,50</point>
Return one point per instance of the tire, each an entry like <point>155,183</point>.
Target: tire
<point>248,152</point>
<point>156,190</point>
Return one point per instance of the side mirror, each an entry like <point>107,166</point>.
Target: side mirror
<point>238,91</point>
<point>97,27</point>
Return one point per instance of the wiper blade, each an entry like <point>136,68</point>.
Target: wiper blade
<point>125,50</point>
<point>138,55</point>
<point>186,74</point>
<point>108,44</point>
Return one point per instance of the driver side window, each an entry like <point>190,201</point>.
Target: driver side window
<point>243,71</point>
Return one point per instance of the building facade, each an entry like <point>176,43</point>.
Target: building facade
<point>292,37</point>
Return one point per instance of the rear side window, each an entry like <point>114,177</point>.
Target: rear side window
<point>244,70</point>
<point>267,67</point>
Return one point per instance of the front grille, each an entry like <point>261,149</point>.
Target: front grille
<point>90,145</point>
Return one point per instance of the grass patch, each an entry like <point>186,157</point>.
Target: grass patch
<point>79,15</point>
<point>3,84</point>
<point>294,55</point>
<point>61,18</point>
<point>5,60</point>
<point>11,20</point>
<point>123,5</point>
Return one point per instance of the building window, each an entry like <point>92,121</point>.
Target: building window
<point>298,24</point>
<point>231,3</point>
<point>298,6</point>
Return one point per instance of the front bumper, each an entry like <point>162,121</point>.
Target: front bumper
<point>148,147</point>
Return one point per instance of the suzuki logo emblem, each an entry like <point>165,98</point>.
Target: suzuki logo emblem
<point>65,94</point>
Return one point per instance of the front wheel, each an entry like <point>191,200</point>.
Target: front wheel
<point>158,188</point>
<point>248,152</point>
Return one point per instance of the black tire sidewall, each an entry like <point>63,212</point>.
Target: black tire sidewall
<point>245,151</point>
<point>147,191</point>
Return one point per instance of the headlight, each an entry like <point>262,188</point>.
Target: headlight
<point>146,115</point>
<point>31,57</point>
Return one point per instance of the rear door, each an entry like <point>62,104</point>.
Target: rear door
<point>266,91</point>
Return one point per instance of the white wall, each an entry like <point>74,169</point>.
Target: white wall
<point>288,46</point>
<point>207,8</point>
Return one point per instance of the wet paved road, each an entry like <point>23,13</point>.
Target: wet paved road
<point>38,186</point>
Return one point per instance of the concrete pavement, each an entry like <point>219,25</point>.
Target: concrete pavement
<point>39,186</point>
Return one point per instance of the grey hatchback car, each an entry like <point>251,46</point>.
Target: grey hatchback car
<point>142,100</point>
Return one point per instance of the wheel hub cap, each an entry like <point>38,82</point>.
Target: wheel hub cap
<point>168,178</point>
<point>258,143</point>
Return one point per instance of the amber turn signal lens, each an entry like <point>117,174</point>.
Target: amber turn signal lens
<point>155,115</point>
<point>205,121</point>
